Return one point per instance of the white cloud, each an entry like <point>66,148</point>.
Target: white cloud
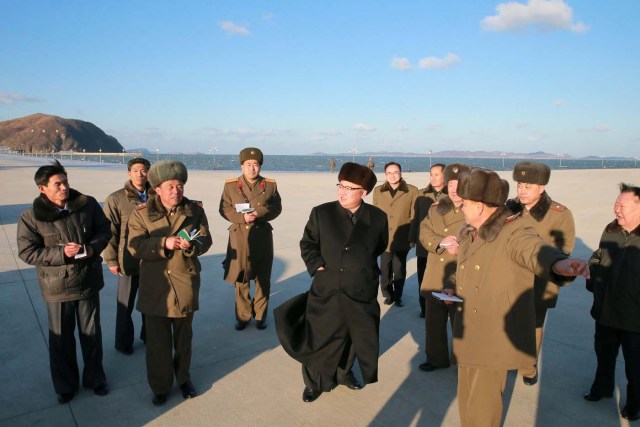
<point>602,128</point>
<point>402,128</point>
<point>14,98</point>
<point>542,14</point>
<point>433,62</point>
<point>434,126</point>
<point>362,127</point>
<point>400,63</point>
<point>234,29</point>
<point>522,125</point>
<point>559,102</point>
<point>533,138</point>
<point>268,17</point>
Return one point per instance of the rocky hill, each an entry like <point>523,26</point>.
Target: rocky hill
<point>47,133</point>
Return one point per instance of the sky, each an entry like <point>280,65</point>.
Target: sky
<point>299,77</point>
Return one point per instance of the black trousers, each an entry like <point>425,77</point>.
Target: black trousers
<point>62,344</point>
<point>320,381</point>
<point>437,339</point>
<point>127,291</point>
<point>393,271</point>
<point>607,342</point>
<point>168,351</point>
<point>421,263</point>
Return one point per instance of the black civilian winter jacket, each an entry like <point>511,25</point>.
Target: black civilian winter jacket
<point>43,230</point>
<point>615,279</point>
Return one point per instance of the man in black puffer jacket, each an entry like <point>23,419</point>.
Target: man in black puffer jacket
<point>63,235</point>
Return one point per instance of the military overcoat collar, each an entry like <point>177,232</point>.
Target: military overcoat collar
<point>538,212</point>
<point>132,192</point>
<point>401,187</point>
<point>444,205</point>
<point>157,211</point>
<point>614,227</point>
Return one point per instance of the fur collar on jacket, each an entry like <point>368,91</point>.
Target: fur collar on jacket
<point>444,205</point>
<point>614,227</point>
<point>132,192</point>
<point>402,187</point>
<point>157,210</point>
<point>44,210</point>
<point>492,226</point>
<point>538,212</point>
<point>430,189</point>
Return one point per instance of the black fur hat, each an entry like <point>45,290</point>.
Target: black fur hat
<point>531,173</point>
<point>453,171</point>
<point>358,174</point>
<point>483,185</point>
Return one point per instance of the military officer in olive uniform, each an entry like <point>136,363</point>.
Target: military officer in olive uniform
<point>554,223</point>
<point>494,328</point>
<point>249,202</point>
<point>438,235</point>
<point>169,289</point>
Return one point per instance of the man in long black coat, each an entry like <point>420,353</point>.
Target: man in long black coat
<point>338,319</point>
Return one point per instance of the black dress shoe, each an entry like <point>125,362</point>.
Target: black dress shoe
<point>127,351</point>
<point>261,324</point>
<point>65,398</point>
<point>427,367</point>
<point>159,399</point>
<point>631,416</point>
<point>530,380</point>
<point>309,395</point>
<point>101,389</point>
<point>188,390</point>
<point>241,325</point>
<point>388,301</point>
<point>594,397</point>
<point>399,302</point>
<point>351,382</point>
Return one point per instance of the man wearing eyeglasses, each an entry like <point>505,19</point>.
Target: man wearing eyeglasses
<point>397,199</point>
<point>338,319</point>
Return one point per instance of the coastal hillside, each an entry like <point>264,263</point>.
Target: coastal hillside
<point>38,133</point>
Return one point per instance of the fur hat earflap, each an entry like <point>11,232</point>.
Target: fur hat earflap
<point>165,170</point>
<point>358,174</point>
<point>453,171</point>
<point>251,153</point>
<point>531,173</point>
<point>483,185</point>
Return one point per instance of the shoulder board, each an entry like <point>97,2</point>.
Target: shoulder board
<point>557,206</point>
<point>230,180</point>
<point>196,202</point>
<point>512,217</point>
<point>141,206</point>
<point>273,181</point>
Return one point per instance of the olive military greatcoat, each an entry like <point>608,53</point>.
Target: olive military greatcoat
<point>426,197</point>
<point>444,220</point>
<point>250,247</point>
<point>341,308</point>
<point>169,280</point>
<point>399,210</point>
<point>118,207</point>
<point>495,325</point>
<point>554,223</point>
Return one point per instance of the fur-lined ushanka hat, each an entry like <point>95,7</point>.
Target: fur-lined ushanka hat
<point>483,185</point>
<point>358,174</point>
<point>531,173</point>
<point>165,170</point>
<point>251,153</point>
<point>453,171</point>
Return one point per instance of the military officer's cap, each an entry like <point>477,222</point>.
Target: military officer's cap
<point>483,185</point>
<point>531,173</point>
<point>251,153</point>
<point>166,170</point>
<point>453,171</point>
